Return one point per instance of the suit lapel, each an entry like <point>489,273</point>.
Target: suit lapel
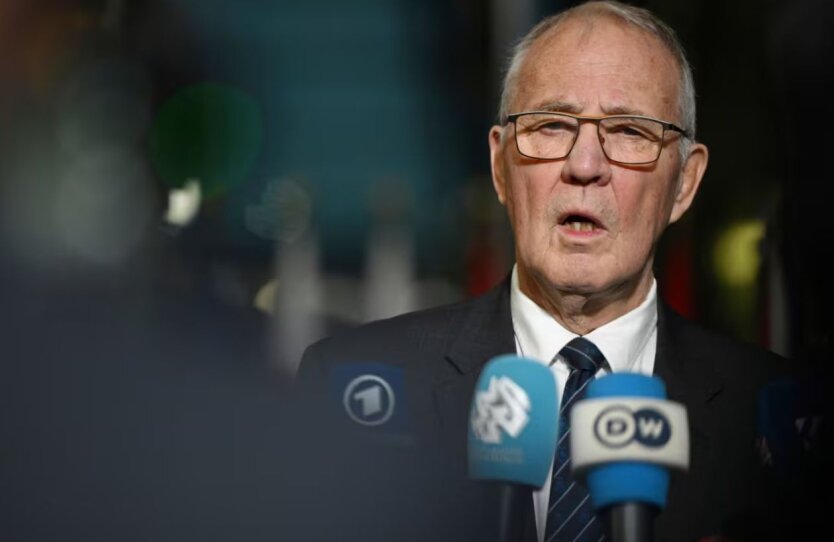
<point>692,379</point>
<point>687,370</point>
<point>484,330</point>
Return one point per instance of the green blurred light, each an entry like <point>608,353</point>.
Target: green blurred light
<point>209,132</point>
<point>736,254</point>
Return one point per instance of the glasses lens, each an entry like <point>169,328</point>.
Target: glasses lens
<point>631,140</point>
<point>545,136</point>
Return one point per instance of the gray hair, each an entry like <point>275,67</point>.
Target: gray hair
<point>638,17</point>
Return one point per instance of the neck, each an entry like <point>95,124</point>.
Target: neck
<point>580,311</point>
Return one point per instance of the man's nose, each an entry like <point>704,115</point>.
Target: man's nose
<point>587,162</point>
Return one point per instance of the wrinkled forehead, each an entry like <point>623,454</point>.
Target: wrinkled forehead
<point>603,58</point>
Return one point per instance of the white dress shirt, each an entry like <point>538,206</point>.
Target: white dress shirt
<point>628,343</point>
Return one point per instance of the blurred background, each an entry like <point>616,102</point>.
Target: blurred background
<point>208,186</point>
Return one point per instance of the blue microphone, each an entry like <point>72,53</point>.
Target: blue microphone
<point>625,436</point>
<point>513,427</point>
<point>791,417</point>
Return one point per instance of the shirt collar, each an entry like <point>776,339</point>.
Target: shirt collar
<point>539,336</point>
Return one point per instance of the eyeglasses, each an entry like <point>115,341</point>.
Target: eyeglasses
<point>626,139</point>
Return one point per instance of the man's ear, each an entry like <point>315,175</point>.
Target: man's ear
<point>496,160</point>
<point>690,179</point>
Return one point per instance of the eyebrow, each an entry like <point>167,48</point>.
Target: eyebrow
<point>566,107</point>
<point>623,110</point>
<point>558,107</point>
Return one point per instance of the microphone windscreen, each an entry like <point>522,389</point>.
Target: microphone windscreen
<point>791,417</point>
<point>513,422</point>
<point>624,437</point>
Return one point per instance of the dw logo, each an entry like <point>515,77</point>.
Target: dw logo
<point>503,406</point>
<point>618,426</point>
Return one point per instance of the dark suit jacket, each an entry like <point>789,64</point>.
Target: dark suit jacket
<point>717,379</point>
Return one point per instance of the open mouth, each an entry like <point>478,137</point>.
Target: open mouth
<point>580,223</point>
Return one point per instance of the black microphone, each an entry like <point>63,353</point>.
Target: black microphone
<point>512,432</point>
<point>624,437</point>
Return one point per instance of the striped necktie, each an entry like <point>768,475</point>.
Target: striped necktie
<point>570,516</point>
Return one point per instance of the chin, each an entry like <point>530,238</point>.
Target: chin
<point>580,288</point>
<point>580,282</point>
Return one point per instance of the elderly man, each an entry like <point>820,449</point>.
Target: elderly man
<point>593,158</point>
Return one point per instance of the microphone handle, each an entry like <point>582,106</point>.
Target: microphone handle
<point>630,522</point>
<point>511,513</point>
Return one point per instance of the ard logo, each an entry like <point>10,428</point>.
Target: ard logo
<point>369,400</point>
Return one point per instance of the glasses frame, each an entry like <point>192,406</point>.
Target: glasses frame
<point>596,119</point>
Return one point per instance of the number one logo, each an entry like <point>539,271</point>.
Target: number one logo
<point>369,400</point>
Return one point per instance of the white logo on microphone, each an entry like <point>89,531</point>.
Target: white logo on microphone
<point>503,406</point>
<point>618,425</point>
